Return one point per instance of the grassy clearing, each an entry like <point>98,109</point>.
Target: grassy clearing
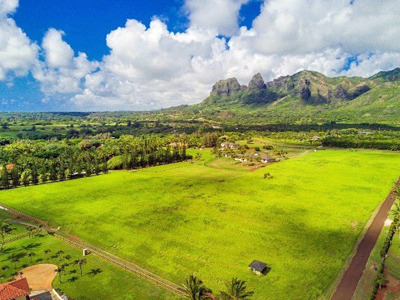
<point>100,279</point>
<point>183,218</point>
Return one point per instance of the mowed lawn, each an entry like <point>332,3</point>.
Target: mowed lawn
<point>99,280</point>
<point>183,218</point>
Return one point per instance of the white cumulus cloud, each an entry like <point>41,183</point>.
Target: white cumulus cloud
<point>61,72</point>
<point>17,53</point>
<point>152,67</point>
<point>217,16</point>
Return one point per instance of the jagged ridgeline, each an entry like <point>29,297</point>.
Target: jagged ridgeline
<point>308,95</point>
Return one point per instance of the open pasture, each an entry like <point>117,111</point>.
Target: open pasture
<point>99,279</point>
<point>193,218</point>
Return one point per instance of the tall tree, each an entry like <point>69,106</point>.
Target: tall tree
<point>195,289</point>
<point>43,173</point>
<point>236,290</point>
<point>81,263</point>
<point>15,176</point>
<point>5,181</point>
<point>34,174</point>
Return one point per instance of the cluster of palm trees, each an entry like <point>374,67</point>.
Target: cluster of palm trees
<point>61,269</point>
<point>195,289</point>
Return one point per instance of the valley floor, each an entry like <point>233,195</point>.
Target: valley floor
<point>186,218</point>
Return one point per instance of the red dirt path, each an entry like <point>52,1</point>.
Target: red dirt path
<point>350,279</point>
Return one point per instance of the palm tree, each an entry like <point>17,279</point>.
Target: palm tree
<point>195,289</point>
<point>31,255</point>
<point>236,290</point>
<point>81,262</point>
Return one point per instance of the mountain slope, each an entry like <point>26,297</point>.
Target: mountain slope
<point>306,96</point>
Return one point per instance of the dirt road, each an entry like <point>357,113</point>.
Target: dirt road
<point>350,279</point>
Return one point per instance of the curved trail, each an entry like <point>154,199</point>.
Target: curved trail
<point>348,283</point>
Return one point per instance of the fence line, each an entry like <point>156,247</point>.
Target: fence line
<point>126,265</point>
<point>21,236</point>
<point>113,259</point>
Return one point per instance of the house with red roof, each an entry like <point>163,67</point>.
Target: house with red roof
<point>15,290</point>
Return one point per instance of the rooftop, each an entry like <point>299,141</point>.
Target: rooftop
<point>14,289</point>
<point>258,265</point>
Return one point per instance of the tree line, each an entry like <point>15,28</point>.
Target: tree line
<point>26,162</point>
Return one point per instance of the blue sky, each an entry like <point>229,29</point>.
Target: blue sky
<point>83,55</point>
<point>86,24</point>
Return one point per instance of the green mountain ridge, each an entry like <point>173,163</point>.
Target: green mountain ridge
<point>304,97</point>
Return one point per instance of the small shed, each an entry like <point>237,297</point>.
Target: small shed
<point>267,159</point>
<point>258,267</point>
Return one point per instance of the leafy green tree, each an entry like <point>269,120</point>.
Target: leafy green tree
<point>104,166</point>
<point>34,174</point>
<point>5,182</point>
<point>15,176</point>
<point>44,174</point>
<point>61,171</point>
<point>25,177</point>
<point>53,172</point>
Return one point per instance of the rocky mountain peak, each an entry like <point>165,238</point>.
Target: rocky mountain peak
<point>257,83</point>
<point>226,87</point>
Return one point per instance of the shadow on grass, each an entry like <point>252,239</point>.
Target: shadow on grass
<point>31,246</point>
<point>73,279</point>
<point>94,272</point>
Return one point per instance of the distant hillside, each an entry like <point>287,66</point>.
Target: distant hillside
<point>306,96</point>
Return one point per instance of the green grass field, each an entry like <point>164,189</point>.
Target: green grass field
<point>100,279</point>
<point>183,218</point>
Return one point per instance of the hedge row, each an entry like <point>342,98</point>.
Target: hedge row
<point>384,251</point>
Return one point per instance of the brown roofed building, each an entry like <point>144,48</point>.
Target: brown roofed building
<point>15,290</point>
